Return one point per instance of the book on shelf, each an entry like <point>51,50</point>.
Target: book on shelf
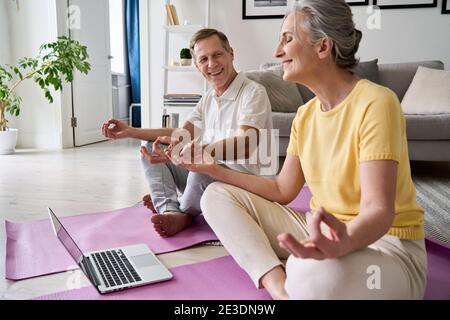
<point>189,96</point>
<point>181,99</point>
<point>180,105</point>
<point>172,16</point>
<point>175,15</point>
<point>170,20</point>
<point>170,120</point>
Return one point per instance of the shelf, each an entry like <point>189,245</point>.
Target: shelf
<point>181,106</point>
<point>181,68</point>
<point>183,29</point>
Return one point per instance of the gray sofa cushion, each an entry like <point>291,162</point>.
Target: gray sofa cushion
<point>398,76</point>
<point>283,95</point>
<point>283,122</point>
<point>366,70</point>
<point>428,127</point>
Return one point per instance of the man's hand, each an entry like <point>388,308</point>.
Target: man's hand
<point>116,129</point>
<point>319,246</point>
<point>157,155</point>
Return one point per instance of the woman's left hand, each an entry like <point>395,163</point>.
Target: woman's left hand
<point>193,157</point>
<point>319,246</point>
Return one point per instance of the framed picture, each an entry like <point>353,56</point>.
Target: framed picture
<point>445,6</point>
<point>265,9</point>
<point>403,4</point>
<point>357,2</point>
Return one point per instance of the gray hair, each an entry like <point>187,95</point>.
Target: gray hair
<point>334,20</point>
<point>206,33</point>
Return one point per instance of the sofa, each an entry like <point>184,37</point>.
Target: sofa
<point>428,134</point>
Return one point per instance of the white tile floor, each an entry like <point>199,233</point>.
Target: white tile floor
<point>99,177</point>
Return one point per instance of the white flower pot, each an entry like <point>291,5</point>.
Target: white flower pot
<point>8,140</point>
<point>185,62</point>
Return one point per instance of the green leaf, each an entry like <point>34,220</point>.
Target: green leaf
<point>49,96</point>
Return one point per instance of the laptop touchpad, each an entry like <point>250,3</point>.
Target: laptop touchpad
<point>144,260</point>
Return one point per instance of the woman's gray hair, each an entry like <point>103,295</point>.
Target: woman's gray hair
<point>334,20</point>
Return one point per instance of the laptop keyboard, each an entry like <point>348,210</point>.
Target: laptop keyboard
<point>115,269</point>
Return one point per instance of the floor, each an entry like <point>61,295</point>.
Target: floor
<point>99,177</point>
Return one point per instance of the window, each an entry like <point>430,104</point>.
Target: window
<point>117,35</point>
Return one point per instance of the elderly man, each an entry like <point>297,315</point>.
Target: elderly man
<point>232,111</point>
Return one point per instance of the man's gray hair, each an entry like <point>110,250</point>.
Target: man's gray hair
<point>334,20</point>
<point>206,33</point>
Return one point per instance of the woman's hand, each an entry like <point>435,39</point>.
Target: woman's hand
<point>157,155</point>
<point>319,246</point>
<point>192,157</point>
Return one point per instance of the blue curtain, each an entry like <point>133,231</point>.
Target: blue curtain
<point>134,61</point>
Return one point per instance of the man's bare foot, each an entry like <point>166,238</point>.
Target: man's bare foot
<point>148,203</point>
<point>170,223</point>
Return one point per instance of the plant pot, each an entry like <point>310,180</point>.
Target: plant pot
<point>185,62</point>
<point>8,140</point>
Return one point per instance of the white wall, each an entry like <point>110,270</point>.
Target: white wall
<point>405,35</point>
<point>4,34</point>
<point>157,18</point>
<point>39,123</point>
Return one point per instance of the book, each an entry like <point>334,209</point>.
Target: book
<point>182,96</point>
<point>174,15</point>
<point>170,19</point>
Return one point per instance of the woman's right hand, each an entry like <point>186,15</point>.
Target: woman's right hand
<point>116,129</point>
<point>157,155</point>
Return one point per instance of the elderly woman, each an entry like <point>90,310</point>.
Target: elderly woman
<point>363,238</point>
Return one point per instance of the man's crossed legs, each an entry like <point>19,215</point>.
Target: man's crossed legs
<point>166,181</point>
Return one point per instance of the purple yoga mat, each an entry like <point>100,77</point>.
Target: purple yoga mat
<point>301,203</point>
<point>438,253</point>
<point>223,279</point>
<point>32,249</point>
<point>438,279</point>
<point>217,279</point>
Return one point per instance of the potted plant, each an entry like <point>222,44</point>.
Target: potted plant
<point>185,57</point>
<point>56,60</point>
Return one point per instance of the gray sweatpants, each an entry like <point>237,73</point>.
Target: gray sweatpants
<point>173,188</point>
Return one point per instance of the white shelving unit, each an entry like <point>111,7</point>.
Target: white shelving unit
<point>174,115</point>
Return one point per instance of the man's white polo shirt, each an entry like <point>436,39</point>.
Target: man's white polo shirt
<point>245,102</point>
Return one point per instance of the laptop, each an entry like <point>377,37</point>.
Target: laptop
<point>113,269</point>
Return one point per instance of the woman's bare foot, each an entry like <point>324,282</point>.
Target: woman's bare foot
<point>273,281</point>
<point>170,223</point>
<point>148,203</point>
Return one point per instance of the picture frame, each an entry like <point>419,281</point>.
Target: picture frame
<point>357,2</point>
<point>445,7</point>
<point>276,9</point>
<point>265,9</point>
<point>404,4</point>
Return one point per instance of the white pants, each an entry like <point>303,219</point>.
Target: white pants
<point>248,225</point>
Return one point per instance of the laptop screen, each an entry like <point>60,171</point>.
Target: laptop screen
<point>65,238</point>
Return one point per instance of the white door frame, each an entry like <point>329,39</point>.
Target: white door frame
<point>144,32</point>
<point>67,135</point>
<point>67,139</point>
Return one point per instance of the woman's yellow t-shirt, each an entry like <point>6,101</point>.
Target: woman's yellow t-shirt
<point>367,125</point>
